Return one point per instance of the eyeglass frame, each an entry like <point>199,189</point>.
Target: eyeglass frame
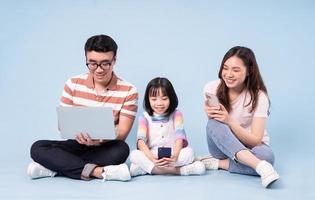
<point>106,67</point>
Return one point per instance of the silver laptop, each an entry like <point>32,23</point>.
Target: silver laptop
<point>98,122</point>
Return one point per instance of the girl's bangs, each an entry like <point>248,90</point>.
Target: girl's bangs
<point>155,91</point>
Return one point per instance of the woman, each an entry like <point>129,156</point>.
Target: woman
<point>236,135</point>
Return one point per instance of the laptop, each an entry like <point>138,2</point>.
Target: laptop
<point>98,122</point>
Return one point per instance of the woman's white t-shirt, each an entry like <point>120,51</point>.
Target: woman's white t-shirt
<point>240,112</point>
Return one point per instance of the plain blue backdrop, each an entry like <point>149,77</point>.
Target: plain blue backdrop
<point>41,45</point>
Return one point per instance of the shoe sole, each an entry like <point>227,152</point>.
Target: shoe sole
<point>270,180</point>
<point>30,171</point>
<point>32,167</point>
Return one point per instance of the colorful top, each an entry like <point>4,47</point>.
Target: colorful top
<point>120,95</point>
<point>161,131</point>
<point>239,112</point>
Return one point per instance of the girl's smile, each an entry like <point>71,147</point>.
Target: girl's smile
<point>159,103</point>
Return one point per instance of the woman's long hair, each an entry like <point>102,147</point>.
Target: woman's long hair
<point>253,81</point>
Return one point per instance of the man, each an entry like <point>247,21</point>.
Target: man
<point>84,158</point>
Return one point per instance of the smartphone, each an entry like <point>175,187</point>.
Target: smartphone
<point>212,99</point>
<point>164,152</point>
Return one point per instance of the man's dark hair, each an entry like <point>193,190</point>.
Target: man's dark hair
<point>101,43</point>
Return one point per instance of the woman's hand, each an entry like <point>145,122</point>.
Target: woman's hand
<point>222,115</point>
<point>218,113</point>
<point>210,110</point>
<point>85,139</point>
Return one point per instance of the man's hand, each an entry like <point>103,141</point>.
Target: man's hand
<point>85,139</point>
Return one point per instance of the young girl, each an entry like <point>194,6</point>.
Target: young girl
<point>236,133</point>
<point>161,125</point>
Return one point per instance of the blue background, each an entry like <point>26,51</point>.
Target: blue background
<point>41,45</point>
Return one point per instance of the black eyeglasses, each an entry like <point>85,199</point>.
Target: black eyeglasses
<point>103,65</point>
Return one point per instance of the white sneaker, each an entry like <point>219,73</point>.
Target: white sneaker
<point>116,172</point>
<point>195,168</point>
<point>267,173</point>
<point>209,161</point>
<point>36,170</point>
<point>136,170</point>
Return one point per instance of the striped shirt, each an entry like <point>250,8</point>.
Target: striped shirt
<point>120,95</point>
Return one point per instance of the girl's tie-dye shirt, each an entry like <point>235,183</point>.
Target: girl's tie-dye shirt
<point>157,131</point>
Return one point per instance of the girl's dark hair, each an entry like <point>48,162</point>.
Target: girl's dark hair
<point>101,43</point>
<point>153,90</point>
<point>253,81</point>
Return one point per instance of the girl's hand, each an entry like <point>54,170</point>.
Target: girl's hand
<point>163,162</point>
<point>155,160</point>
<point>171,161</point>
<point>160,162</point>
<point>219,114</point>
<point>174,158</point>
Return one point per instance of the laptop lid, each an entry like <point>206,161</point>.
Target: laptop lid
<point>98,122</point>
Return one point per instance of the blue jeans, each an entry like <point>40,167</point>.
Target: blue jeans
<point>223,144</point>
